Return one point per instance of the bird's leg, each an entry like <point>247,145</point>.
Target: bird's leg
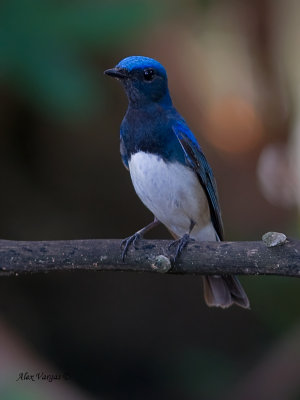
<point>136,236</point>
<point>182,242</point>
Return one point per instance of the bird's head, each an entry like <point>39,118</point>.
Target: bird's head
<point>144,80</point>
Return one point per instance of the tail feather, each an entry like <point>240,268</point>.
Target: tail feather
<point>223,291</point>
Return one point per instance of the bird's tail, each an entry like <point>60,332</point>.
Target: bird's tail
<point>223,291</point>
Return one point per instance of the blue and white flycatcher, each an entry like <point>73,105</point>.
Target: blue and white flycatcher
<point>169,171</point>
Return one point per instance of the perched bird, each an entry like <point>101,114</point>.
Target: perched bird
<point>169,171</point>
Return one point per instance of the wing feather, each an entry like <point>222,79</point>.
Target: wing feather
<point>197,161</point>
<point>123,152</point>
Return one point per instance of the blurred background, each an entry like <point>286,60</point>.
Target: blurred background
<point>234,74</point>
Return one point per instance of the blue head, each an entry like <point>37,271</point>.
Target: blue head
<point>144,80</point>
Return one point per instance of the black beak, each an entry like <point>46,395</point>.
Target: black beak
<point>119,73</point>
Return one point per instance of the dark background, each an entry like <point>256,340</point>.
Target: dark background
<point>233,72</point>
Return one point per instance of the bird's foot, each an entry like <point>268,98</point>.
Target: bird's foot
<point>128,241</point>
<point>136,236</point>
<point>180,245</point>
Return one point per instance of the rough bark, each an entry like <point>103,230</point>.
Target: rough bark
<point>241,258</point>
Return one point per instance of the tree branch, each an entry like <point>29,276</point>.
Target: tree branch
<point>244,258</point>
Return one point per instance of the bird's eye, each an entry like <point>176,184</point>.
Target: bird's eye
<point>148,74</point>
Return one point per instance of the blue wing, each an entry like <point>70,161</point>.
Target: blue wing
<point>197,161</point>
<point>123,152</point>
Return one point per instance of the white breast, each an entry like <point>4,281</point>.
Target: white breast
<point>173,193</point>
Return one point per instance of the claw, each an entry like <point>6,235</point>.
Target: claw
<point>180,245</point>
<point>127,242</point>
<point>138,235</point>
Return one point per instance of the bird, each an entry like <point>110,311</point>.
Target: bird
<point>169,171</point>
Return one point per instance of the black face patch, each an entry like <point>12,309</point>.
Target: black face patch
<point>149,74</point>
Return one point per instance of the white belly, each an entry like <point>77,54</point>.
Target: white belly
<point>173,193</point>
